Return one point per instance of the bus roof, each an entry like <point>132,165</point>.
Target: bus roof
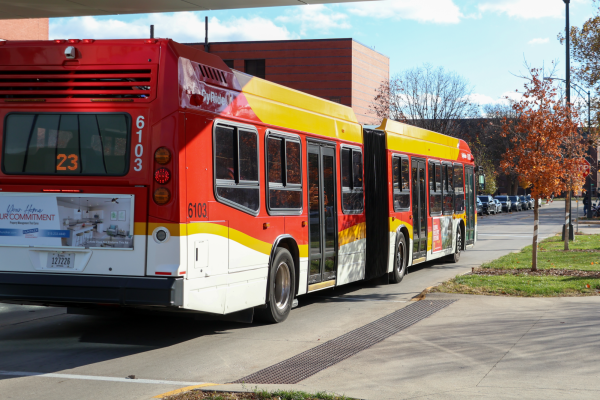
<point>412,139</point>
<point>283,107</point>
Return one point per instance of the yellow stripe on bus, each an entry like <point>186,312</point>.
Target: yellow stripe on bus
<point>355,232</point>
<point>395,223</point>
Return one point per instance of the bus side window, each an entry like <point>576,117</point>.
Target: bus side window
<point>448,189</point>
<point>401,176</point>
<point>284,173</point>
<point>435,188</point>
<point>236,167</point>
<point>459,189</point>
<point>352,181</point>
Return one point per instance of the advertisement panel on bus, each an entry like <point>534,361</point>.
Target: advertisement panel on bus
<point>61,220</point>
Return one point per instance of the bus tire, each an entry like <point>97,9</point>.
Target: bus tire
<point>455,257</point>
<point>400,262</point>
<point>282,281</point>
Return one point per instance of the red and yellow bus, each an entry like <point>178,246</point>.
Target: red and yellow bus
<point>147,174</point>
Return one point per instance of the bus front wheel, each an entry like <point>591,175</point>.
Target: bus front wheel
<point>282,279</point>
<point>400,265</point>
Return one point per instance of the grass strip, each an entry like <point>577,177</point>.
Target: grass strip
<point>521,285</point>
<point>255,395</point>
<point>584,254</point>
<point>560,273</point>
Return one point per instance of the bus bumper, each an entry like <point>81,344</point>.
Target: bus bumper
<point>62,289</point>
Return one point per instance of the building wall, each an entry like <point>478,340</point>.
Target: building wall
<point>24,29</point>
<point>369,69</point>
<point>340,70</point>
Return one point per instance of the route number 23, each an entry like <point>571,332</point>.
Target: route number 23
<point>139,148</point>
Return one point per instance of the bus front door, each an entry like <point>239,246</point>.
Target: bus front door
<point>470,206</point>
<point>322,213</point>
<point>419,209</point>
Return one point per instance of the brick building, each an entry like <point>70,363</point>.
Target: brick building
<point>24,29</point>
<point>340,70</point>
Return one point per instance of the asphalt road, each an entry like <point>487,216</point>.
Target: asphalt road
<point>47,354</point>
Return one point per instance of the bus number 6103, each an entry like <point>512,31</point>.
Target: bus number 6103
<point>139,148</point>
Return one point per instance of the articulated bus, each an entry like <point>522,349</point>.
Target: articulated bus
<point>146,174</point>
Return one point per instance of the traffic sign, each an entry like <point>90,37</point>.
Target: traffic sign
<point>585,168</point>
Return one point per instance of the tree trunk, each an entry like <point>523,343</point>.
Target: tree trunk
<point>567,219</point>
<point>536,218</point>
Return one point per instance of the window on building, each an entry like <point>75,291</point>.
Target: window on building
<point>459,189</point>
<point>336,99</point>
<point>284,172</point>
<point>401,177</point>
<point>352,181</point>
<point>255,68</point>
<point>236,167</point>
<point>229,63</point>
<point>447,189</point>
<point>435,188</point>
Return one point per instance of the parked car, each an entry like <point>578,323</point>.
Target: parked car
<point>498,205</point>
<point>515,204</point>
<point>479,207</point>
<point>489,206</point>
<point>532,201</point>
<point>525,203</point>
<point>505,201</point>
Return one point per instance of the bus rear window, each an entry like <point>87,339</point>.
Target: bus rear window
<point>66,144</point>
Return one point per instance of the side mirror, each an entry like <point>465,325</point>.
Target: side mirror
<point>482,182</point>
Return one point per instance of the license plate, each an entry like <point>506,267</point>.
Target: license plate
<point>61,260</point>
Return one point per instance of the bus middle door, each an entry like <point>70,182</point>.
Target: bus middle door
<point>322,215</point>
<point>419,209</point>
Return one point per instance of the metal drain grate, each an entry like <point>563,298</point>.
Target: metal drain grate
<point>308,363</point>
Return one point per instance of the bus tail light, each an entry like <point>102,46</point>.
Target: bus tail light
<point>162,155</point>
<point>162,175</point>
<point>161,196</point>
<point>88,40</point>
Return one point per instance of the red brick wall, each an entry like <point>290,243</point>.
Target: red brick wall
<point>328,68</point>
<point>24,29</point>
<point>369,69</point>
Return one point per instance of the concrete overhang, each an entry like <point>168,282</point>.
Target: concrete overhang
<point>17,9</point>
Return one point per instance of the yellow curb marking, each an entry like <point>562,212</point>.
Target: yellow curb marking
<point>185,389</point>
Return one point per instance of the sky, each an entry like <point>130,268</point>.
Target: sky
<point>485,41</point>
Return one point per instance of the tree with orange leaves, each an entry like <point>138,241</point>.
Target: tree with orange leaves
<point>547,146</point>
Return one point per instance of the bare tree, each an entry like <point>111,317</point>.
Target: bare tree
<point>427,97</point>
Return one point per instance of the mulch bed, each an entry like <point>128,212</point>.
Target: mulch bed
<point>541,272</point>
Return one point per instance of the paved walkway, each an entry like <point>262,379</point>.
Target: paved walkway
<point>480,346</point>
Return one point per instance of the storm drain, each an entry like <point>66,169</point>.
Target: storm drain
<point>308,363</point>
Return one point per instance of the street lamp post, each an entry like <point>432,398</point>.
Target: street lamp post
<point>568,220</point>
<point>589,107</point>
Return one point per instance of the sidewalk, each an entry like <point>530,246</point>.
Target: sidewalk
<point>480,346</point>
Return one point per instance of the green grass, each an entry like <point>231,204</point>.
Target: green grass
<point>521,285</point>
<point>256,395</point>
<point>584,255</point>
<point>552,256</point>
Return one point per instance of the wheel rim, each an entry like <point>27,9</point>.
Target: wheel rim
<point>282,285</point>
<point>458,243</point>
<point>400,259</point>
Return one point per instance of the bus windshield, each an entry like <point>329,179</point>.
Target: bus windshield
<point>66,144</point>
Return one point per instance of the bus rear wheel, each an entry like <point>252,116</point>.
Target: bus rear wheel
<point>282,280</point>
<point>455,257</point>
<point>400,264</point>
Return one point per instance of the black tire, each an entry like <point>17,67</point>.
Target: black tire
<point>400,261</point>
<point>282,283</point>
<point>454,258</point>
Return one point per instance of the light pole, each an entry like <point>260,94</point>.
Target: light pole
<point>589,107</point>
<point>568,219</point>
